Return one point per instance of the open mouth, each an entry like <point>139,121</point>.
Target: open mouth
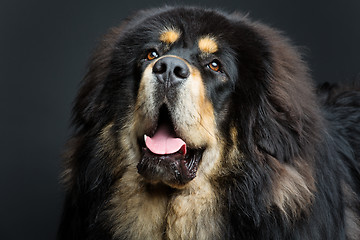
<point>165,157</point>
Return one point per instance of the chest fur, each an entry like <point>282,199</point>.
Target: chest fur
<point>139,213</point>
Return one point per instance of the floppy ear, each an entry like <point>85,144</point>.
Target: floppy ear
<point>277,117</point>
<point>288,121</point>
<point>87,105</point>
<point>275,91</point>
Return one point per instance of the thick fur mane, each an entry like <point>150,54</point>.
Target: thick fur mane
<point>268,156</point>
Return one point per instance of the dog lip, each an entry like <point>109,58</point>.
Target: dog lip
<point>174,169</point>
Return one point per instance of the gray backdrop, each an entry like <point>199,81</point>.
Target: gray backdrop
<point>44,47</point>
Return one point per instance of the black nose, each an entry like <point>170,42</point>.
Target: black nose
<point>171,71</point>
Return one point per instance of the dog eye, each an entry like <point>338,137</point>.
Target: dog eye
<point>215,66</point>
<point>152,55</point>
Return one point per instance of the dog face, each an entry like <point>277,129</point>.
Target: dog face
<point>174,103</point>
<point>184,76</point>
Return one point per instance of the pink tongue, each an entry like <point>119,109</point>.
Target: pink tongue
<point>163,143</point>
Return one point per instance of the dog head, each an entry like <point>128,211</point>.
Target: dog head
<point>179,93</point>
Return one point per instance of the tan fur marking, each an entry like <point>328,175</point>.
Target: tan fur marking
<point>108,144</point>
<point>204,125</point>
<point>145,104</point>
<point>208,45</point>
<point>193,214</point>
<point>293,193</point>
<point>135,212</point>
<point>232,159</point>
<point>169,36</point>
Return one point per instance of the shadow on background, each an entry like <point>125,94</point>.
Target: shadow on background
<point>44,47</point>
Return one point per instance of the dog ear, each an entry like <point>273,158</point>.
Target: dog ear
<point>274,87</point>
<point>87,105</point>
<point>290,122</point>
<point>277,116</point>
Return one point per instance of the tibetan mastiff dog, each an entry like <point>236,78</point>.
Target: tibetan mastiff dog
<point>193,123</point>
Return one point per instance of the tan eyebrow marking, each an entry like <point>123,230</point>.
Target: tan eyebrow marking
<point>208,44</point>
<point>169,35</point>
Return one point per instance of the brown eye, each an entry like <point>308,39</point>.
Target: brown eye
<point>152,55</point>
<point>214,65</point>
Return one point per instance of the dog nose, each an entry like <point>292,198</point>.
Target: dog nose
<point>171,71</point>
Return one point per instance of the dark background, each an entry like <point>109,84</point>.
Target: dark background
<point>44,47</point>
